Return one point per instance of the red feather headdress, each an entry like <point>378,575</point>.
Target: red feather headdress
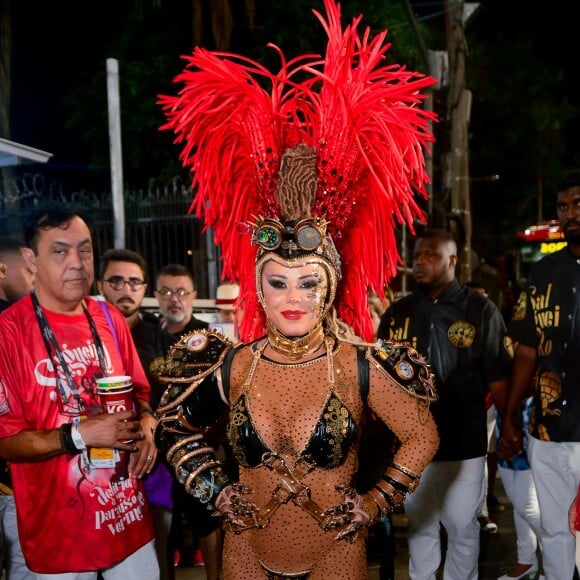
<point>363,117</point>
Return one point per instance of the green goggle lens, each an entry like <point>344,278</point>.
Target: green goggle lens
<point>269,238</point>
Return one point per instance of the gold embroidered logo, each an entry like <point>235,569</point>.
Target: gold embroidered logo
<point>519,311</point>
<point>461,334</point>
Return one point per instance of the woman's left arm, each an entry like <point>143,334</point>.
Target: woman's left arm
<point>401,392</point>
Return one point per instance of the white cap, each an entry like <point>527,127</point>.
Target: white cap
<point>226,296</point>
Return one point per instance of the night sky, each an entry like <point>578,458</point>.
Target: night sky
<point>55,46</point>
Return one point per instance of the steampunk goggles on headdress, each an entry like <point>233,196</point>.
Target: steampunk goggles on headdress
<point>294,239</point>
<point>306,234</point>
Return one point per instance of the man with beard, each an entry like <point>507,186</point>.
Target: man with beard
<point>461,333</point>
<point>123,284</point>
<point>546,326</point>
<point>176,293</point>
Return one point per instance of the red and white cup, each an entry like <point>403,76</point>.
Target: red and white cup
<point>116,394</point>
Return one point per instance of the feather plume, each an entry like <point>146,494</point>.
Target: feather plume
<point>365,120</point>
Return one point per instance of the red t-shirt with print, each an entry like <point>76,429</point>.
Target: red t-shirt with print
<point>70,518</point>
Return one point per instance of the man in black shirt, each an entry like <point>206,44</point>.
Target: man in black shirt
<point>546,328</point>
<point>122,282</point>
<point>175,291</point>
<point>462,335</point>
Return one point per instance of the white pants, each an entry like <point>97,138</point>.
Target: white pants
<point>16,568</point>
<point>556,472</point>
<point>450,493</point>
<point>141,565</point>
<point>491,445</point>
<point>521,491</point>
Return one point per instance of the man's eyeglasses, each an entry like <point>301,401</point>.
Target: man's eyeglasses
<point>118,283</point>
<point>167,293</point>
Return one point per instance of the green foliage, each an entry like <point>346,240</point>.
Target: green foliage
<point>148,46</point>
<point>293,27</point>
<point>148,43</point>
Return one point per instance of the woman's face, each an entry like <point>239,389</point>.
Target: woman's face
<point>294,297</point>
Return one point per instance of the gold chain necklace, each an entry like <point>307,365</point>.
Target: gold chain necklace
<point>298,348</point>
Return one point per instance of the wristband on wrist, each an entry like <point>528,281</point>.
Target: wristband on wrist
<point>383,501</point>
<point>369,505</point>
<point>414,477</point>
<point>66,440</point>
<point>394,496</point>
<point>77,438</point>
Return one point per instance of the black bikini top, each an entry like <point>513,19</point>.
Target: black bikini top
<point>329,443</point>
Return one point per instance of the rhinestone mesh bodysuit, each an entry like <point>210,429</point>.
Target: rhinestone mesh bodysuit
<point>294,411</point>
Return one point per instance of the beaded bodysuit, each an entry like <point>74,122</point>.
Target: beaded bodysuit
<point>297,423</point>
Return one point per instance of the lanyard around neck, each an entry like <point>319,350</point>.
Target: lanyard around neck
<point>53,349</point>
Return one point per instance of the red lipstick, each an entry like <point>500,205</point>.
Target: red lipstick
<point>293,314</point>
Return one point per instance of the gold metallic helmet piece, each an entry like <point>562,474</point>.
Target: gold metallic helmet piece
<point>295,239</point>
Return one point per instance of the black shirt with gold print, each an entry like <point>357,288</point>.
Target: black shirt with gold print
<point>461,334</point>
<point>547,318</point>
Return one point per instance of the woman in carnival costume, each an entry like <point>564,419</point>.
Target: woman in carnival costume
<point>302,186</point>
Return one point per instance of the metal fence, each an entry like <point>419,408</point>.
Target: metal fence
<point>157,223</point>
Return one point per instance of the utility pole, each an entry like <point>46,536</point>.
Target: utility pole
<point>428,106</point>
<point>459,105</point>
<point>115,150</point>
<point>428,103</point>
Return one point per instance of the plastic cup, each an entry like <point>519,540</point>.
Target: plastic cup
<point>116,401</point>
<point>115,382</point>
<point>116,394</point>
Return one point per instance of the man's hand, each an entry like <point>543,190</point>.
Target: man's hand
<point>511,441</point>
<point>111,430</point>
<point>143,460</point>
<point>100,430</point>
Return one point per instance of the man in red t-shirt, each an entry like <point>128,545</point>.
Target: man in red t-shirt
<point>79,497</point>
